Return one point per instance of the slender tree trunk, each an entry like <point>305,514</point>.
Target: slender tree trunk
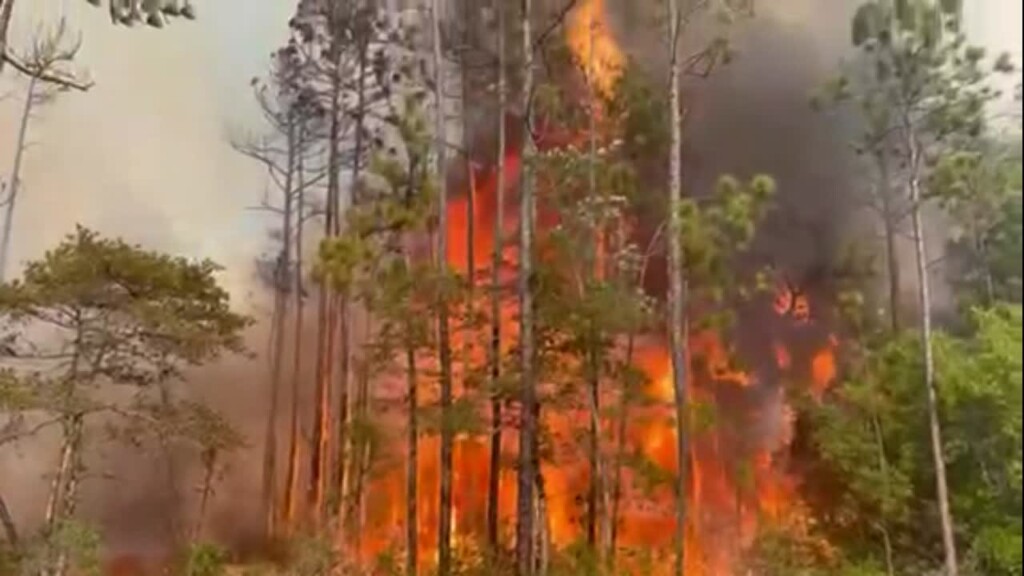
<point>412,467</point>
<point>444,528</point>
<point>924,302</point>
<point>55,498</point>
<point>292,481</point>
<point>6,9</point>
<point>598,531</point>
<point>361,453</point>
<point>205,491</point>
<point>528,392</point>
<point>69,503</point>
<point>981,255</point>
<point>620,434</point>
<point>326,316</point>
<point>883,467</point>
<point>543,527</point>
<point>7,521</point>
<point>173,514</point>
<point>277,336</point>
<point>344,451</point>
<point>677,303</point>
<point>15,183</point>
<point>332,305</point>
<point>344,438</point>
<point>468,7</point>
<point>497,261</point>
<point>890,222</point>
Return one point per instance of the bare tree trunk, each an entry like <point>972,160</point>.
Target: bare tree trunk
<point>543,527</point>
<point>412,467</point>
<point>981,253</point>
<point>497,261</point>
<point>7,521</point>
<point>15,183</point>
<point>890,222</point>
<point>883,466</point>
<point>528,392</point>
<point>613,523</point>
<point>677,303</point>
<point>344,438</point>
<point>598,531</point>
<point>173,513</point>
<point>341,336</point>
<point>361,453</point>
<point>328,301</point>
<point>205,491</point>
<point>924,301</point>
<point>6,9</point>
<point>277,336</point>
<point>69,501</point>
<point>55,498</point>
<point>468,25</point>
<point>444,529</point>
<point>292,486</point>
<point>292,481</point>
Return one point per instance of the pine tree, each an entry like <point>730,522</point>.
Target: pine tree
<point>134,318</point>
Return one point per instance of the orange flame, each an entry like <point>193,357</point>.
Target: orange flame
<point>733,486</point>
<point>590,39</point>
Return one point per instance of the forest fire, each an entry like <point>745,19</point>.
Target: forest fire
<point>735,483</point>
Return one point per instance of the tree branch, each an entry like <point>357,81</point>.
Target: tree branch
<point>61,80</point>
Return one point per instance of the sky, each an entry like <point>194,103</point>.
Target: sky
<point>145,153</point>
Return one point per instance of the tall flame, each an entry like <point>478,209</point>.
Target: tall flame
<point>589,37</point>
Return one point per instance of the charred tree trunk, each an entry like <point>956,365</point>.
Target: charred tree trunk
<point>444,529</point>
<point>620,434</point>
<point>497,260</point>
<point>528,398</point>
<point>468,24</point>
<point>412,466</point>
<point>543,527</point>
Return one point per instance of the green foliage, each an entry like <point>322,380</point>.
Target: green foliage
<point>143,315</point>
<point>78,543</point>
<point>981,397</point>
<point>96,312</point>
<point>204,560</point>
<point>715,233</point>
<point>872,436</point>
<point>980,190</point>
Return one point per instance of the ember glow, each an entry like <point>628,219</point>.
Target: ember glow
<point>737,479</point>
